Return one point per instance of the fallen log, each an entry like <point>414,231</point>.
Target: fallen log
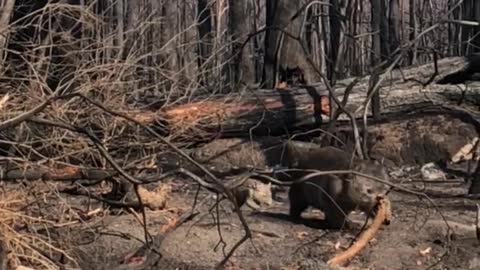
<point>273,111</point>
<point>64,173</point>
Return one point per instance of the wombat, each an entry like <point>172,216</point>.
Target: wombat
<point>336,195</point>
<point>320,158</point>
<point>309,156</point>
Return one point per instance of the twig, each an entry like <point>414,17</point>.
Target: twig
<point>432,77</point>
<point>4,100</point>
<point>26,115</point>
<point>109,158</point>
<point>346,95</point>
<point>147,234</point>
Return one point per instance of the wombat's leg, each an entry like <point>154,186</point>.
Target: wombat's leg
<point>276,190</point>
<point>297,201</point>
<point>335,217</point>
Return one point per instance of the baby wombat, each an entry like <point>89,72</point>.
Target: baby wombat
<point>254,194</point>
<point>337,195</point>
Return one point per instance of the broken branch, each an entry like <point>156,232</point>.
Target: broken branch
<point>383,216</point>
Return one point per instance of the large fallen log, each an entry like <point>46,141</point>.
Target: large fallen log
<point>271,111</point>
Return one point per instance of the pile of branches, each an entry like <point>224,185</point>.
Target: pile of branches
<point>91,124</point>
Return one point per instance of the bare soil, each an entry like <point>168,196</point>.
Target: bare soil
<point>415,239</point>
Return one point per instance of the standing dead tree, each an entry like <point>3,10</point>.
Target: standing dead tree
<point>6,8</point>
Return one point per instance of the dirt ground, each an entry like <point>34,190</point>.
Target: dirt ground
<point>415,239</point>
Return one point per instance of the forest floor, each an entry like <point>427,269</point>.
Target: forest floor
<point>415,239</point>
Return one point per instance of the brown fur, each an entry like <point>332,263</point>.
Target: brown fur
<point>336,195</point>
<point>309,156</point>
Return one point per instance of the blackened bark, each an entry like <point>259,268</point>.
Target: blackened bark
<point>395,24</point>
<point>335,30</point>
<point>240,27</point>
<point>377,52</point>
<point>282,49</point>
<point>204,30</point>
<point>413,31</point>
<point>271,39</point>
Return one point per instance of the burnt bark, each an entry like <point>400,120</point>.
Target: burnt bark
<point>205,34</point>
<point>240,27</point>
<point>395,24</point>
<point>470,12</point>
<point>377,52</point>
<point>271,39</point>
<point>475,30</point>
<point>282,49</point>
<point>6,12</point>
<point>413,31</point>
<point>335,32</point>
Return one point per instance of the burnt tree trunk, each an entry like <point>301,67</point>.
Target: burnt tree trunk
<point>395,24</point>
<point>282,49</point>
<point>205,35</point>
<point>413,32</point>
<point>6,8</point>
<point>240,27</point>
<point>379,49</point>
<point>376,52</point>
<point>335,33</point>
<point>269,62</point>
